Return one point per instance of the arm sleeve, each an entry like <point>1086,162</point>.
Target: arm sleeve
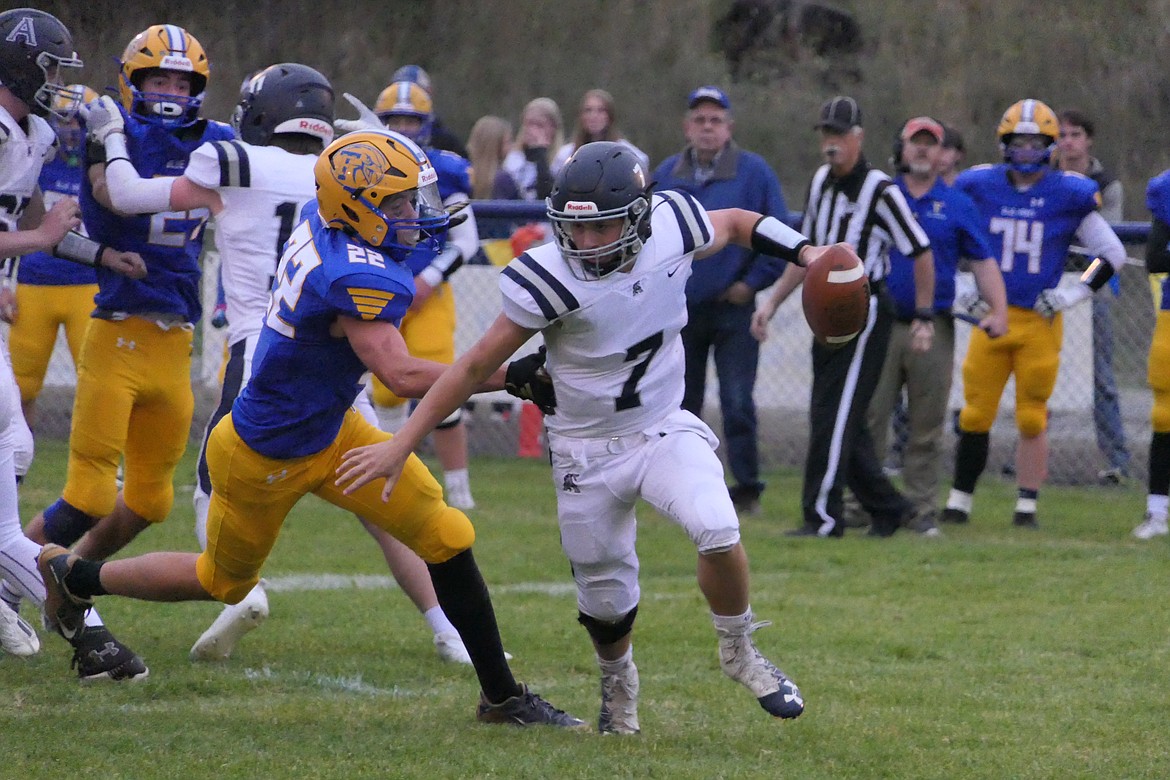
<point>1095,235</point>
<point>131,194</point>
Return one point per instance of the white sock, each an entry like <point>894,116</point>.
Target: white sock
<point>437,620</point>
<point>1158,506</point>
<point>1026,506</point>
<point>733,625</point>
<point>619,665</point>
<point>960,500</point>
<point>457,479</point>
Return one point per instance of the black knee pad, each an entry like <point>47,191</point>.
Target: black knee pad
<point>605,633</point>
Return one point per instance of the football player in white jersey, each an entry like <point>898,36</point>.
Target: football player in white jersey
<point>609,298</point>
<point>256,188</point>
<point>35,51</point>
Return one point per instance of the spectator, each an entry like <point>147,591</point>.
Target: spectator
<point>530,161</point>
<point>1075,145</point>
<point>953,156</point>
<point>721,293</point>
<point>596,121</point>
<point>487,146</point>
<point>1023,200</point>
<point>956,232</point>
<point>441,135</point>
<point>1158,262</point>
<point>849,200</point>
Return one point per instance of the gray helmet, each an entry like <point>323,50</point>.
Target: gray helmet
<point>34,47</point>
<point>603,180</point>
<point>285,98</point>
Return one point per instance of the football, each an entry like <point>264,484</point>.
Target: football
<point>836,296</point>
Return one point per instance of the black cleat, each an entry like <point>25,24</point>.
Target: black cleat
<point>952,515</point>
<point>526,709</point>
<point>1025,520</point>
<point>98,655</point>
<point>64,612</point>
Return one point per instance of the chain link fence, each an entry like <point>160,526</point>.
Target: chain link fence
<point>500,425</point>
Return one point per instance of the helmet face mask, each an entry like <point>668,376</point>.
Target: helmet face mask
<point>1028,118</point>
<point>64,114</point>
<point>288,98</point>
<point>163,47</point>
<point>602,182</point>
<point>35,51</point>
<point>380,186</point>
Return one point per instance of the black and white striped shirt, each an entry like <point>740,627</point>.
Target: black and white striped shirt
<point>865,209</point>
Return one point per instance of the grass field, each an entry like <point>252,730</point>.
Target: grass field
<point>993,652</point>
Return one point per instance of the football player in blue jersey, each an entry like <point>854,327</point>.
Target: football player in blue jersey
<point>1158,369</point>
<point>1032,213</point>
<point>340,291</point>
<point>429,326</point>
<point>36,49</point>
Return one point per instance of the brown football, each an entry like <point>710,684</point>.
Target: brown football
<point>836,296</point>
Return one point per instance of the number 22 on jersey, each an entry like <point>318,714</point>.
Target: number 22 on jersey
<point>299,258</point>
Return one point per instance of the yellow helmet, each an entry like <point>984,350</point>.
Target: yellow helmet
<point>1028,117</point>
<point>406,98</point>
<point>70,98</point>
<point>358,172</point>
<point>165,47</point>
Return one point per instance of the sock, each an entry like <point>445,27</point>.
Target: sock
<point>456,478</point>
<point>437,620</point>
<point>1159,464</point>
<point>970,459</point>
<point>84,578</point>
<point>960,500</point>
<point>1026,503</point>
<point>1158,506</point>
<point>733,625</point>
<point>465,600</point>
<point>618,666</point>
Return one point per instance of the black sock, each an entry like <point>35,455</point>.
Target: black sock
<point>465,600</point>
<point>84,578</point>
<point>970,460</point>
<point>1159,464</point>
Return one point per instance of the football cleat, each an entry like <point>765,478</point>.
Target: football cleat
<point>619,702</point>
<point>450,648</point>
<point>459,496</point>
<point>1025,520</point>
<point>1151,526</point>
<point>17,636</point>
<point>525,709</point>
<point>64,612</point>
<point>98,655</point>
<point>742,661</point>
<point>233,622</point>
<point>953,515</point>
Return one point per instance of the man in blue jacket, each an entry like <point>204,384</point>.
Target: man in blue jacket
<point>721,294</point>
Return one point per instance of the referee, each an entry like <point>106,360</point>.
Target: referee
<point>850,201</point>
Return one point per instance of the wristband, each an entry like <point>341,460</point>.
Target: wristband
<point>772,237</point>
<point>79,249</point>
<point>924,315</point>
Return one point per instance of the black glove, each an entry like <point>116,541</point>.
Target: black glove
<point>527,379</point>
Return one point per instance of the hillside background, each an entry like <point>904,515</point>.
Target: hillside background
<point>961,60</point>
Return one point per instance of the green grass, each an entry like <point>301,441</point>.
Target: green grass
<point>993,652</point>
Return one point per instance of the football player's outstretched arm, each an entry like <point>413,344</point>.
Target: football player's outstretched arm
<point>476,370</point>
<point>56,222</point>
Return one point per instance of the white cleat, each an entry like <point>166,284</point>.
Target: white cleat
<point>16,635</point>
<point>1151,527</point>
<point>451,649</point>
<point>236,620</point>
<point>459,496</point>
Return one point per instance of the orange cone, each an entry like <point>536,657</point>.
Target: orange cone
<point>531,431</point>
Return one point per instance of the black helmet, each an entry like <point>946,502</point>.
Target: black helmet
<point>603,180</point>
<point>34,46</point>
<point>285,98</point>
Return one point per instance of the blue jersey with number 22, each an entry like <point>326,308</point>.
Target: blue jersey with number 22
<point>305,378</point>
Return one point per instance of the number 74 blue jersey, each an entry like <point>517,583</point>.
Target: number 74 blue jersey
<point>304,378</point>
<point>1030,230</point>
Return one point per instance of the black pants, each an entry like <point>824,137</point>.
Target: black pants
<point>840,447</point>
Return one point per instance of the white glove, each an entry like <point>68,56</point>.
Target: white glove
<point>367,119</point>
<point>1052,300</point>
<point>103,118</point>
<point>970,307</point>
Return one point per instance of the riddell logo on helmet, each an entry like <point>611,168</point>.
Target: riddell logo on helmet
<point>581,207</point>
<point>172,62</point>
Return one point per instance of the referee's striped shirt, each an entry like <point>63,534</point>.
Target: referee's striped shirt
<point>865,209</point>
